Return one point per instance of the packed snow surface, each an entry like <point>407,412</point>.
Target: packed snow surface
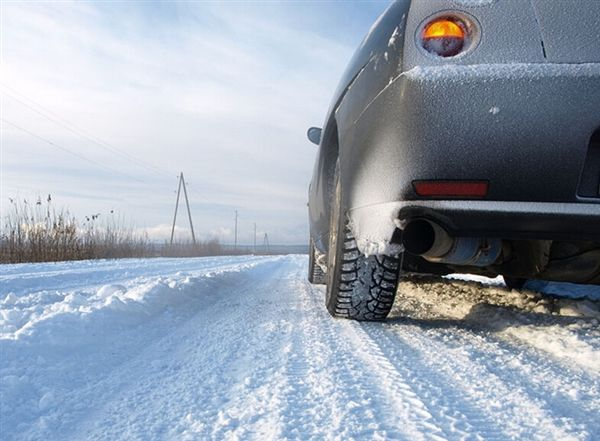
<point>243,348</point>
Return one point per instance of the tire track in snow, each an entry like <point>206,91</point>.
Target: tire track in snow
<point>465,412</point>
<point>521,416</point>
<point>255,409</point>
<point>400,396</point>
<point>312,403</point>
<point>343,395</point>
<point>250,379</point>
<point>396,411</point>
<point>337,393</point>
<point>565,393</point>
<point>361,413</point>
<point>310,396</point>
<point>457,417</point>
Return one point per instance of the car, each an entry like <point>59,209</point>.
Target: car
<point>464,137</point>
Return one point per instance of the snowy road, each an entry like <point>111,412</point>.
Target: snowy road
<point>242,348</point>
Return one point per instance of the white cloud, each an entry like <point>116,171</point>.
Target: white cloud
<point>163,232</point>
<point>222,233</point>
<point>222,95</point>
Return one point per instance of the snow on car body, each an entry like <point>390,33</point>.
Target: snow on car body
<point>464,136</point>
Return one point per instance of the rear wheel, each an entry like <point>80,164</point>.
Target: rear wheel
<point>358,287</point>
<point>315,272</point>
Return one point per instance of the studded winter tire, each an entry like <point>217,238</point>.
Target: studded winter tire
<point>358,287</point>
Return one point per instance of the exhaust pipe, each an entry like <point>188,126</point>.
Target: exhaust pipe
<point>430,241</point>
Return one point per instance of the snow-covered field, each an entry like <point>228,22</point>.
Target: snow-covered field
<point>242,348</point>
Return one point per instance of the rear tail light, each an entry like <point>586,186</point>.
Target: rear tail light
<point>451,189</point>
<point>445,36</point>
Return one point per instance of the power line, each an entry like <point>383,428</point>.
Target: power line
<point>56,119</point>
<point>53,117</point>
<point>67,150</point>
<point>197,192</point>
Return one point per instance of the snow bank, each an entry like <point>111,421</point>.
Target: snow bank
<point>56,341</point>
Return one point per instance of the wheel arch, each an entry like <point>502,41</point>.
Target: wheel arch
<point>329,153</point>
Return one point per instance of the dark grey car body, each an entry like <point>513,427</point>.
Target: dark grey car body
<point>520,110</point>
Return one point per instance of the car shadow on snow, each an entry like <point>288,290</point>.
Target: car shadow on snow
<point>485,317</point>
<point>431,302</point>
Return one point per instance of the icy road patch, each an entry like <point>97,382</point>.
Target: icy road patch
<point>242,348</point>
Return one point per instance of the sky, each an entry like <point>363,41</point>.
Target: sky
<point>103,104</point>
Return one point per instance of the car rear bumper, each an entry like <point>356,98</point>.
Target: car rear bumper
<point>374,225</point>
<point>510,220</point>
<point>524,128</point>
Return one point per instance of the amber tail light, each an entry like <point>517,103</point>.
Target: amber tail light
<point>444,37</point>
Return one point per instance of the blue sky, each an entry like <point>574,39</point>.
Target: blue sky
<point>223,91</point>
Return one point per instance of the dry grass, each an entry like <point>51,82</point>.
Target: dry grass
<point>37,232</point>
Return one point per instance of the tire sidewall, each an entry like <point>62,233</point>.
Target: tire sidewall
<point>311,261</point>
<point>336,240</point>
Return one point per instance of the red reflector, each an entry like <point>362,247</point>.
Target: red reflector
<point>468,189</point>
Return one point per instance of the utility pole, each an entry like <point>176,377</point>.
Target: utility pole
<point>266,243</point>
<point>254,241</point>
<point>176,206</point>
<point>235,232</point>
<point>187,203</point>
